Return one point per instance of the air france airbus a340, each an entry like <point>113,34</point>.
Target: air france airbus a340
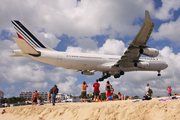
<point>32,47</point>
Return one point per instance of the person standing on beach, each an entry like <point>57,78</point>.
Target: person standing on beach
<point>49,97</point>
<point>108,87</point>
<point>109,95</point>
<point>55,90</point>
<point>34,98</point>
<point>169,90</point>
<point>83,93</point>
<point>96,86</point>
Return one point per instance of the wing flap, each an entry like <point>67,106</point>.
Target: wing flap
<point>25,47</point>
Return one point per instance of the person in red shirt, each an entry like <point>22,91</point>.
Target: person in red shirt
<point>96,86</point>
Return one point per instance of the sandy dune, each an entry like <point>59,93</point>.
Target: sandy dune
<point>112,110</point>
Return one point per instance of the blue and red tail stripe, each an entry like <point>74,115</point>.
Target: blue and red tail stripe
<point>25,34</point>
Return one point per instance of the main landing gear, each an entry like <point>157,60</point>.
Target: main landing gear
<point>107,74</point>
<point>104,76</point>
<point>119,74</point>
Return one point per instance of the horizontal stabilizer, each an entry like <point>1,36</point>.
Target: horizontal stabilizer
<point>25,47</point>
<point>16,56</point>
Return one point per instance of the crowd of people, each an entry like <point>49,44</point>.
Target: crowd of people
<point>96,96</point>
<point>51,96</point>
<point>110,92</point>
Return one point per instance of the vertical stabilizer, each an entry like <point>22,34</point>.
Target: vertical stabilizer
<point>26,34</point>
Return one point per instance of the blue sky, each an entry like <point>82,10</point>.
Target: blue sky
<point>89,26</point>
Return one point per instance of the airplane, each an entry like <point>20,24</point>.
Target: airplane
<point>110,65</point>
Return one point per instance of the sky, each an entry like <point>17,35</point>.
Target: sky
<point>88,26</point>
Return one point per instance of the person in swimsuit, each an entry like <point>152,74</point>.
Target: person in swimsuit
<point>108,87</point>
<point>109,95</point>
<point>49,97</point>
<point>34,98</point>
<point>83,93</point>
<point>121,97</point>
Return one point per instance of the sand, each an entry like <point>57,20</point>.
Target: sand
<point>111,110</point>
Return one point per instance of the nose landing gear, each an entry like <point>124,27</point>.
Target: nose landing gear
<point>159,74</point>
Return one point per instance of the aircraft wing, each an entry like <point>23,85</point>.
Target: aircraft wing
<point>132,53</point>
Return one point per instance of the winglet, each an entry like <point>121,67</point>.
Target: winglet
<point>147,16</point>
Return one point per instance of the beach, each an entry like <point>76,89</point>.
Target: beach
<point>111,110</point>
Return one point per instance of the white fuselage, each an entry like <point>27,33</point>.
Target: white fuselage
<point>97,62</point>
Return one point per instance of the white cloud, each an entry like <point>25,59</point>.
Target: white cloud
<point>49,39</point>
<point>11,91</point>
<point>166,11</point>
<point>112,46</point>
<point>168,31</point>
<point>89,18</point>
<point>30,72</point>
<point>59,74</point>
<point>32,86</point>
<point>69,86</point>
<point>87,43</point>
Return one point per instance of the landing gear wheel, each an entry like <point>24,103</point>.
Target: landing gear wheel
<point>159,73</point>
<point>108,75</point>
<point>101,79</point>
<point>122,73</point>
<point>117,75</point>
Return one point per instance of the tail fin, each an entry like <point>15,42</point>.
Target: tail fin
<point>26,34</point>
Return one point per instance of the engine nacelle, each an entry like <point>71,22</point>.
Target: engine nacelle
<point>85,72</point>
<point>152,52</point>
<point>144,65</point>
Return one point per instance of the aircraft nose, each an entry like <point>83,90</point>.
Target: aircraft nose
<point>165,65</point>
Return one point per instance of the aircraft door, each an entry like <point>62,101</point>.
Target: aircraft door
<point>59,58</point>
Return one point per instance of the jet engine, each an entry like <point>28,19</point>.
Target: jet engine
<point>152,52</point>
<point>144,65</point>
<point>86,72</point>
